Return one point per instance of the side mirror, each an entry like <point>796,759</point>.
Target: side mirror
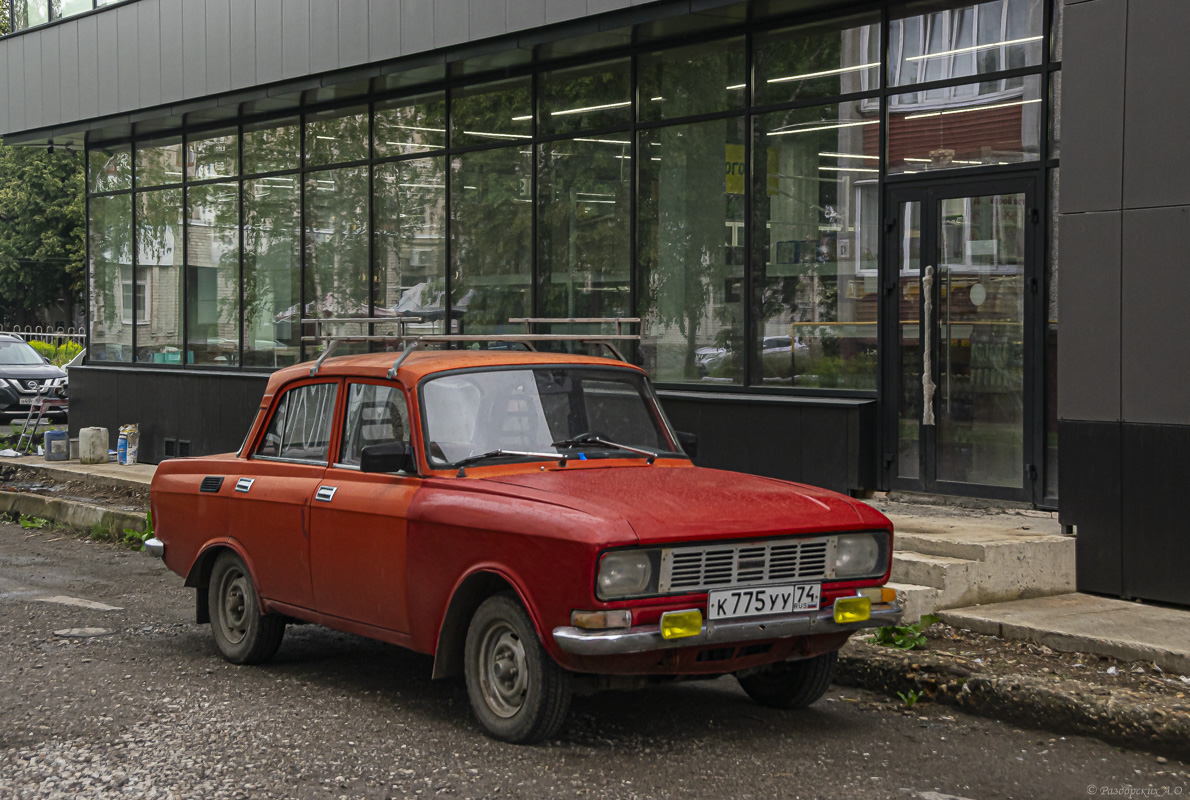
<point>388,457</point>
<point>46,360</point>
<point>689,443</point>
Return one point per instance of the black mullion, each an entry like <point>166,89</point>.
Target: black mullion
<point>243,239</point>
<point>371,222</point>
<point>534,151</point>
<point>885,386</point>
<point>751,320</point>
<point>448,222</point>
<point>89,282</point>
<point>633,186</point>
<point>989,171</point>
<point>184,361</point>
<point>1037,303</point>
<point>301,234</point>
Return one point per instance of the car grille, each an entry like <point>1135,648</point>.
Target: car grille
<point>695,569</point>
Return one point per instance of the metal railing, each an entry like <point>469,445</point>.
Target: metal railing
<point>55,336</point>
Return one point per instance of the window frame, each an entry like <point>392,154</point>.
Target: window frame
<point>410,423</point>
<point>278,398</point>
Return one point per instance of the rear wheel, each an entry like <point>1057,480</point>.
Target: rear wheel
<point>791,684</point>
<point>517,691</point>
<point>242,634</point>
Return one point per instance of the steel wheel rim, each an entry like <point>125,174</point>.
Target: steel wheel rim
<point>503,672</point>
<point>233,605</point>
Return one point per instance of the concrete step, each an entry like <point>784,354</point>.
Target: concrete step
<point>915,600</point>
<point>937,572</point>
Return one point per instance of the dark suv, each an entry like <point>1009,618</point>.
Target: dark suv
<point>23,375</point>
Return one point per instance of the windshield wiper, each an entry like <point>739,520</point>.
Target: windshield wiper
<point>587,439</point>
<point>518,453</point>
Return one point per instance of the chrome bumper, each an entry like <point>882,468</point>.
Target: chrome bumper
<point>643,638</point>
<point>155,547</point>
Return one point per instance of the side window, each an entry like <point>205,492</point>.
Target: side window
<point>375,415</point>
<point>301,426</point>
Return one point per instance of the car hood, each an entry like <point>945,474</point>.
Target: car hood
<point>38,372</point>
<point>664,504</point>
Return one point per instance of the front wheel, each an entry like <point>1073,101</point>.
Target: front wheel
<point>790,684</point>
<point>242,634</point>
<point>517,691</point>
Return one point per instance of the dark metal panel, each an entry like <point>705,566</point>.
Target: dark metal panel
<point>148,27</point>
<point>384,29</point>
<point>1156,174</point>
<point>562,10</point>
<point>488,18</point>
<point>15,52</point>
<point>51,73</point>
<point>452,22</point>
<point>107,37</point>
<point>1090,481</point>
<point>218,46</point>
<point>268,41</point>
<point>525,14</point>
<point>171,51</point>
<point>353,32</point>
<point>1089,336</point>
<point>88,68</point>
<point>243,44</point>
<point>4,96</point>
<point>600,6</point>
<point>34,98</point>
<point>194,49</point>
<point>1155,548</point>
<point>417,25</point>
<point>1093,106</point>
<point>127,57</point>
<point>1155,326</point>
<point>295,37</point>
<point>324,42</point>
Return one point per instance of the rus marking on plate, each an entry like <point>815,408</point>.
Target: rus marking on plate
<point>78,601</point>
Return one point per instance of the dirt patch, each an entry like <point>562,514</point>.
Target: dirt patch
<point>15,478</point>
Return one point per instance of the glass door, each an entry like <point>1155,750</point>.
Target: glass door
<point>959,300</point>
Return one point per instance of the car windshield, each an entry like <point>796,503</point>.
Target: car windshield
<point>18,353</point>
<point>564,410</point>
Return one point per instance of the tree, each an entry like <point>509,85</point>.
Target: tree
<point>42,224</point>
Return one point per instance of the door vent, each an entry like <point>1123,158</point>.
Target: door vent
<point>183,448</point>
<point>211,483</point>
<point>171,448</point>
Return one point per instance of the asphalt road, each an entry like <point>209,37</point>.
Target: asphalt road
<point>150,710</point>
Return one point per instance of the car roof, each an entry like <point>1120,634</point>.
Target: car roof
<point>425,362</point>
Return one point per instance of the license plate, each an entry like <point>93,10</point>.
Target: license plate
<point>26,401</point>
<point>762,600</point>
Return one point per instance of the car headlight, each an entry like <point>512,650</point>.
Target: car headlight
<point>627,573</point>
<point>860,554</point>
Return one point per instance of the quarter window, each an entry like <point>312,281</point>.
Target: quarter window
<point>375,415</point>
<point>300,429</point>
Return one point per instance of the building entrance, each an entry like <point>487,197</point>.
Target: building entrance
<point>960,306</point>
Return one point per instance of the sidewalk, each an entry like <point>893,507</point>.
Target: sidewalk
<point>107,474</point>
<point>1084,623</point>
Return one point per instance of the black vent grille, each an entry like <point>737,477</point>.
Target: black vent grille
<point>211,483</point>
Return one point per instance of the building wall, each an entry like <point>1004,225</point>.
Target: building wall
<point>1124,353</point>
<point>153,53</point>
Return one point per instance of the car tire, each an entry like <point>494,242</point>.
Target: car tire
<point>242,633</point>
<point>518,692</point>
<point>791,684</point>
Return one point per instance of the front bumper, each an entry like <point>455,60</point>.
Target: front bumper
<point>643,638</point>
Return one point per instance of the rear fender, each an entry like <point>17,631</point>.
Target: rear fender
<point>199,576</point>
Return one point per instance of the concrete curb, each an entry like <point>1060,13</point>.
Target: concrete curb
<point>1067,706</point>
<point>69,513</point>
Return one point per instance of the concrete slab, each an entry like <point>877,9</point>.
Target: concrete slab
<point>138,474</point>
<point>1084,623</point>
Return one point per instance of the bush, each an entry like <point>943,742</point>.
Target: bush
<point>44,349</point>
<point>57,355</point>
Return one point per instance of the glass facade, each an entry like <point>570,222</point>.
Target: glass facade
<point>728,192</point>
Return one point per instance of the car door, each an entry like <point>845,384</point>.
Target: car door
<point>270,515</point>
<point>358,520</point>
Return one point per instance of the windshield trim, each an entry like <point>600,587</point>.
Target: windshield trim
<point>618,366</point>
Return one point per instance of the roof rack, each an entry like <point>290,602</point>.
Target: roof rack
<point>528,338</point>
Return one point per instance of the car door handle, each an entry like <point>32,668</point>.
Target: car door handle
<point>326,493</point>
<point>244,484</point>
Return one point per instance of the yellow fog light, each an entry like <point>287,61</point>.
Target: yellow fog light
<point>852,609</point>
<point>679,624</point>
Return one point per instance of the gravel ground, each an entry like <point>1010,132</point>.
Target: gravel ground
<point>149,710</point>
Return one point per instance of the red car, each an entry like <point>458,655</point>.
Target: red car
<point>531,520</point>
